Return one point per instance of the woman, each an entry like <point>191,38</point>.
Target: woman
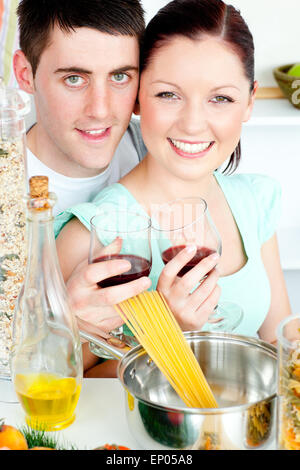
<point>197,88</point>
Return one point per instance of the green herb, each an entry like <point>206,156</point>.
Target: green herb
<point>39,438</point>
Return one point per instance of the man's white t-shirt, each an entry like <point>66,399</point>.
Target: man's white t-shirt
<point>71,191</point>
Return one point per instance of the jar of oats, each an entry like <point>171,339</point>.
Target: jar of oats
<point>13,106</point>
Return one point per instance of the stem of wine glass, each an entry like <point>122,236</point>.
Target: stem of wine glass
<point>231,315</point>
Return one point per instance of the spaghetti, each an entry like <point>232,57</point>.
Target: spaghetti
<point>152,322</point>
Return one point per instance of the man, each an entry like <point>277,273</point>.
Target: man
<point>80,60</point>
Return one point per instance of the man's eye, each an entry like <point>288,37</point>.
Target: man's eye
<point>221,99</point>
<point>120,77</point>
<point>74,80</point>
<point>168,95</point>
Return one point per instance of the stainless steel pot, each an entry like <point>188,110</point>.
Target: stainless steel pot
<point>242,374</point>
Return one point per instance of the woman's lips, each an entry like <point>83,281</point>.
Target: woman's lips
<point>94,135</point>
<point>190,149</point>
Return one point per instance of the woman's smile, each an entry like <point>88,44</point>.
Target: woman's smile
<point>187,149</point>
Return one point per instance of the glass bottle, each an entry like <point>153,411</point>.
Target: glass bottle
<point>288,428</point>
<point>14,105</point>
<point>46,356</point>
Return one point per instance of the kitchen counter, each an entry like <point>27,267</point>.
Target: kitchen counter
<point>100,417</point>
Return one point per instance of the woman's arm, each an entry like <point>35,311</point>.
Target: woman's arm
<point>280,305</point>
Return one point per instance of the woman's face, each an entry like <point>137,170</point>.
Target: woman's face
<point>194,97</point>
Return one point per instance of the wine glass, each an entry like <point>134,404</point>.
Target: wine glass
<point>121,234</point>
<point>183,222</point>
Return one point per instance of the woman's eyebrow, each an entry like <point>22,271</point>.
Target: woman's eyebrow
<point>225,86</point>
<point>220,87</point>
<point>166,83</point>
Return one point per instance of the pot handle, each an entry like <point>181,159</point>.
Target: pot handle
<point>112,347</point>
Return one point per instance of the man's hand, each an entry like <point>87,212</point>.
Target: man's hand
<point>94,306</point>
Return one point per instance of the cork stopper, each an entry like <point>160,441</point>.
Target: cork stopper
<point>38,186</point>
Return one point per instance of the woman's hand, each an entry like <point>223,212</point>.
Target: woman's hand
<point>191,309</point>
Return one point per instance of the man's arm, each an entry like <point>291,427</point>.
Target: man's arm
<point>90,303</point>
<point>93,306</point>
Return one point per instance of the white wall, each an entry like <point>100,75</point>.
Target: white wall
<point>152,6</point>
<point>275,28</point>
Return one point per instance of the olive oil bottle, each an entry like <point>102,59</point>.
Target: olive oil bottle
<point>46,358</point>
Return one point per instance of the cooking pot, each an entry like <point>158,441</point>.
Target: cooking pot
<point>242,374</point>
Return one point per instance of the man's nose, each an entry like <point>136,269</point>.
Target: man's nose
<point>97,105</point>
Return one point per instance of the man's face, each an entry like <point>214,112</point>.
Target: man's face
<point>85,88</point>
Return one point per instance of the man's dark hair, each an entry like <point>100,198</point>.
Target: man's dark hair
<point>37,19</point>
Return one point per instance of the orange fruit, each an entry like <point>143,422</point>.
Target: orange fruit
<point>42,448</point>
<point>12,438</point>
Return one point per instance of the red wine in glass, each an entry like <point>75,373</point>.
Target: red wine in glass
<point>139,267</point>
<point>170,253</point>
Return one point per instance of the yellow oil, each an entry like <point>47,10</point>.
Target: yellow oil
<point>130,400</point>
<point>48,400</point>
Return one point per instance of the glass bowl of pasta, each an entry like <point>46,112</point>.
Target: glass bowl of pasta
<point>288,334</point>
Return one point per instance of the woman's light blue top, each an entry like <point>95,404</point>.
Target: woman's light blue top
<point>254,201</point>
